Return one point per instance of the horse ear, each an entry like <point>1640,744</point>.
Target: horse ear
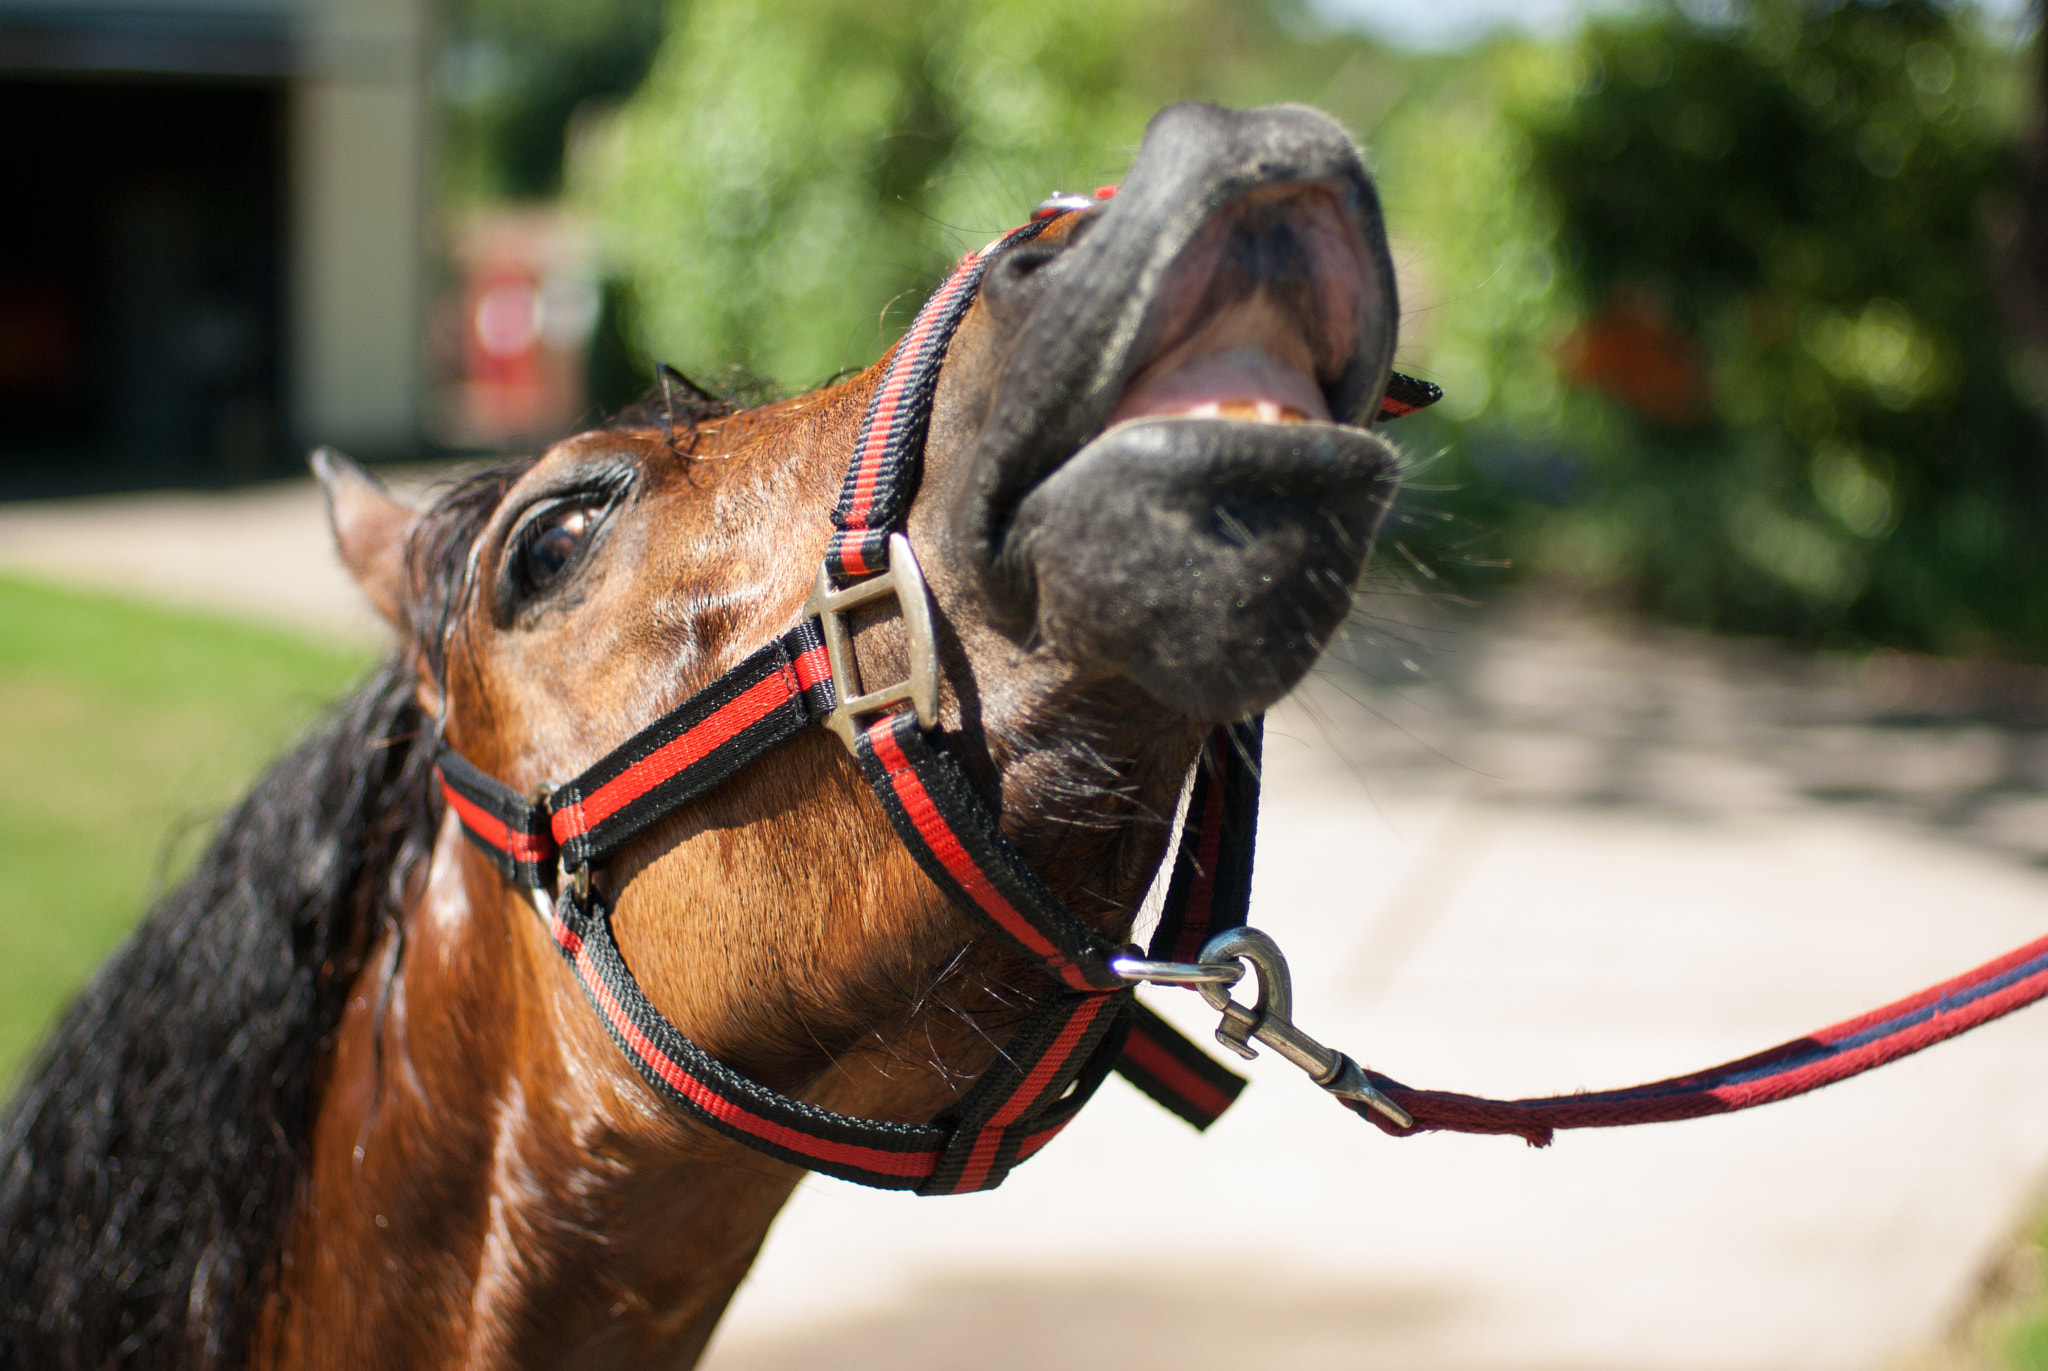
<point>369,531</point>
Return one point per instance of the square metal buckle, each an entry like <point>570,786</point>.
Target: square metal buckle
<point>905,581</point>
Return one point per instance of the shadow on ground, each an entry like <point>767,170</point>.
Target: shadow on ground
<point>1203,1323</point>
<point>1531,704</point>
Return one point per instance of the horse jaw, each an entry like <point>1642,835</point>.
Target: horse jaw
<point>370,530</point>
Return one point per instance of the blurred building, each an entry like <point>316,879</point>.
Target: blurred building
<point>213,250</point>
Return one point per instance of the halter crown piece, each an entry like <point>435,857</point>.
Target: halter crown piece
<point>1092,1023</point>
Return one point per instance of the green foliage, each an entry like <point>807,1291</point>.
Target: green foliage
<point>514,76</point>
<point>138,725</point>
<point>2026,1347</point>
<point>794,175</point>
<point>1733,343</point>
<point>1472,236</point>
<point>2019,1333</point>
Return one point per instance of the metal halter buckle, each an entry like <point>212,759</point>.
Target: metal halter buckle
<point>906,583</point>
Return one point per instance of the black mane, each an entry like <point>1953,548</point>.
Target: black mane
<point>149,1164</point>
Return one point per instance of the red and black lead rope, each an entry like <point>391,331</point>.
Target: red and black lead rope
<point>1823,1057</point>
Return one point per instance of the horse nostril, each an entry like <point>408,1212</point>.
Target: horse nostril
<point>1012,285</point>
<point>1024,260</point>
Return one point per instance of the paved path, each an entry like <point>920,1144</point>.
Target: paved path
<point>264,552</point>
<point>1560,854</point>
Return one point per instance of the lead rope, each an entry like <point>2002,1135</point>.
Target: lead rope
<point>1822,1057</point>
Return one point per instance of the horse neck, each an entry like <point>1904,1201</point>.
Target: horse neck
<point>487,1184</point>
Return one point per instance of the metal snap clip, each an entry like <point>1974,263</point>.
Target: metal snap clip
<point>1271,1021</point>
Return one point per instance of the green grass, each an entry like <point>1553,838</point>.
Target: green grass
<point>2024,1344</point>
<point>125,730</point>
<point>2027,1347</point>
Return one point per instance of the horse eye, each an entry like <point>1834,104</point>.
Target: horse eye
<point>555,545</point>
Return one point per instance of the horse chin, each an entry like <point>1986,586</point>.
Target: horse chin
<point>1208,560</point>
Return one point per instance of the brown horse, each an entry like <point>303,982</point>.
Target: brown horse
<point>339,1103</point>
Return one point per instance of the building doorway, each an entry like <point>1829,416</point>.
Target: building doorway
<point>142,265</point>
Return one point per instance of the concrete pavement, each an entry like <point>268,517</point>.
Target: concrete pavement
<point>263,551</point>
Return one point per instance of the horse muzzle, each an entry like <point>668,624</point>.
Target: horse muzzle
<point>1173,484</point>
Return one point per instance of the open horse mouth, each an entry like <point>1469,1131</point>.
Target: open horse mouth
<point>1172,485</point>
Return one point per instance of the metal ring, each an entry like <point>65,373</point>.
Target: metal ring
<point>1142,970</point>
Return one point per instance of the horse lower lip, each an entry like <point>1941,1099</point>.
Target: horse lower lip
<point>1207,560</point>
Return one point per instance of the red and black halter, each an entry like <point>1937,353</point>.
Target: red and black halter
<point>1092,1024</point>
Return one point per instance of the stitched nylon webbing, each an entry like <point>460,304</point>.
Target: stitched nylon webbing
<point>1046,1071</point>
<point>497,819</point>
<point>1821,1058</point>
<point>1211,887</point>
<point>954,838</point>
<point>891,1156</point>
<point>888,457</point>
<point>1175,1073</point>
<point>764,702</point>
<point>770,698</point>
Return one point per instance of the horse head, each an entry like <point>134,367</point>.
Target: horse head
<point>1146,493</point>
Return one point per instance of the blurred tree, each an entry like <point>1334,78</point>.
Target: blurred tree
<point>1795,208</point>
<point>1750,362</point>
<point>513,76</point>
<point>795,174</point>
<point>2021,228</point>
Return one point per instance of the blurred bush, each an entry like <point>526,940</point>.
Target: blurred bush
<point>1723,336</point>
<point>1709,286</point>
<point>515,76</point>
<point>795,174</point>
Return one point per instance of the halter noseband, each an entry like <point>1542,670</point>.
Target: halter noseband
<point>807,677</point>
